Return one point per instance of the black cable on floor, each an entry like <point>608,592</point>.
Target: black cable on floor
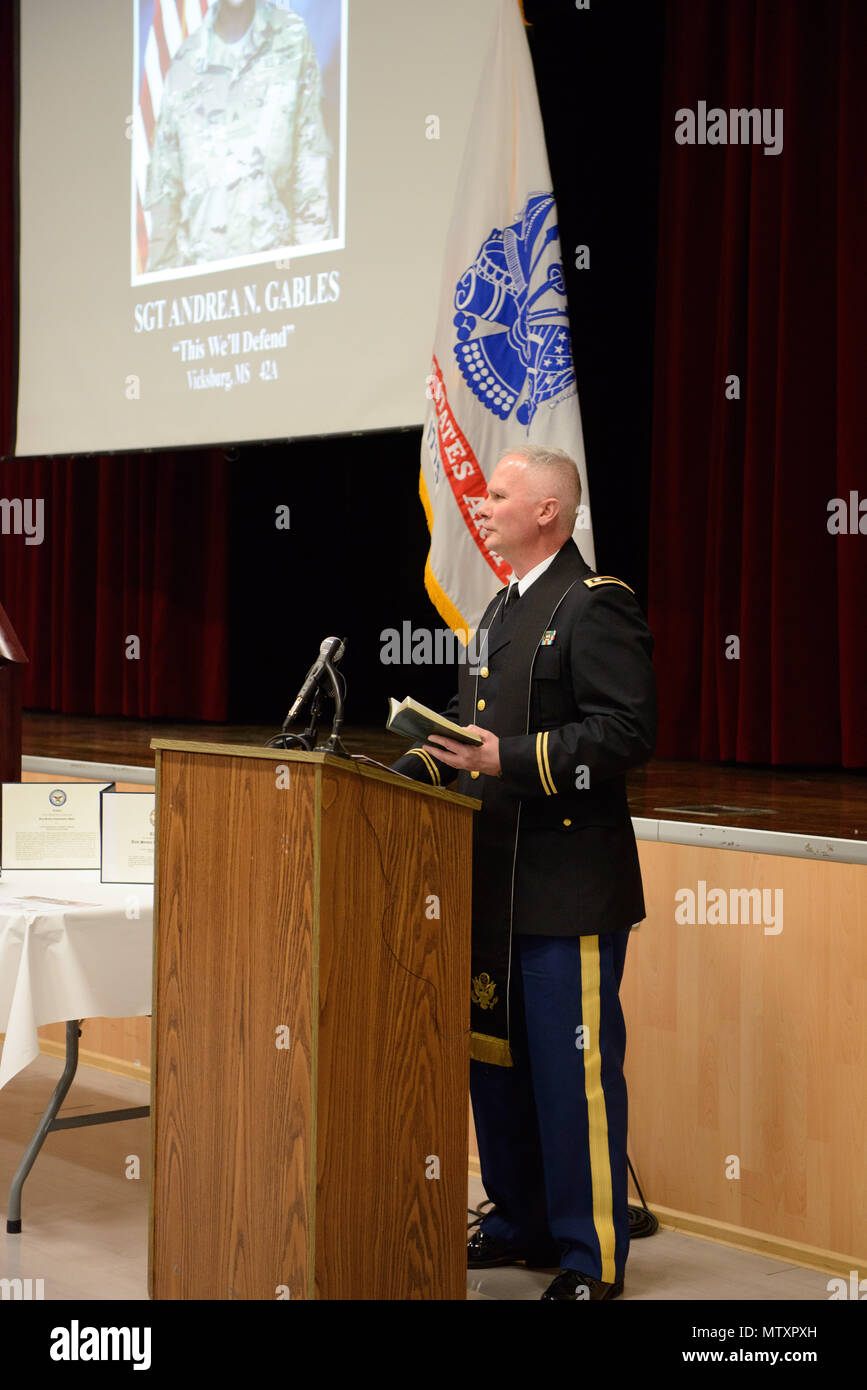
<point>478,1212</point>
<point>642,1221</point>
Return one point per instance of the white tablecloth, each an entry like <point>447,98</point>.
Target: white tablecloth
<point>83,956</point>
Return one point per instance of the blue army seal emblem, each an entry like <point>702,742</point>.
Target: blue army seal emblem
<point>57,797</point>
<point>513,347</point>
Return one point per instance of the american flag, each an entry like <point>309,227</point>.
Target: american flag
<point>163,26</point>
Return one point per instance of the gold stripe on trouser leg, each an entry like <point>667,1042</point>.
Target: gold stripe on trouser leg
<point>597,1115</point>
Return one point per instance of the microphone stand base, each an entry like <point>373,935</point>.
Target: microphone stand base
<point>333,745</point>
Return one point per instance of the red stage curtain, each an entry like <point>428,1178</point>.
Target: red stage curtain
<point>135,545</point>
<point>760,274</point>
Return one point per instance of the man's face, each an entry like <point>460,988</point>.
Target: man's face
<point>508,514</point>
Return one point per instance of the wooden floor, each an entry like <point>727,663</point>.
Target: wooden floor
<point>85,1222</point>
<point>801,802</point>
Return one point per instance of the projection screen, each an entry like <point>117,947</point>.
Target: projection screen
<point>225,240</point>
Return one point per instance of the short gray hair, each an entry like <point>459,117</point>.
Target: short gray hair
<point>562,470</point>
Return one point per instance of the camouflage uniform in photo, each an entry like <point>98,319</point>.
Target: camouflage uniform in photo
<point>240,156</point>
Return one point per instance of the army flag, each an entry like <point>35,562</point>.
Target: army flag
<point>502,373</point>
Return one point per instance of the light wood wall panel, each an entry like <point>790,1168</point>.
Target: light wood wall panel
<point>753,1045</point>
<point>120,1045</point>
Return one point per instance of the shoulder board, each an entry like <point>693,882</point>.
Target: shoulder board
<point>606,579</point>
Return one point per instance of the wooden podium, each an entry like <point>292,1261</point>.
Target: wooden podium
<point>310,1056</point>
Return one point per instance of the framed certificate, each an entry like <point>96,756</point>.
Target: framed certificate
<point>128,837</point>
<point>50,825</point>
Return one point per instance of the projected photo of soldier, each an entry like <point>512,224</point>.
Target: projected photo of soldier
<point>239,157</point>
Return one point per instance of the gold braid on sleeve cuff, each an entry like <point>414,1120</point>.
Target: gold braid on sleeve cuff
<point>543,765</point>
<point>429,764</point>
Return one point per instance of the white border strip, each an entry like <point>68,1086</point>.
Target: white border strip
<point>98,772</point>
<point>676,832</point>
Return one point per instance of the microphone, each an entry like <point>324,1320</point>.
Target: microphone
<point>331,649</point>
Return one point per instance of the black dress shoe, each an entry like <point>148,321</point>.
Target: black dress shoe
<point>485,1252</point>
<point>571,1286</point>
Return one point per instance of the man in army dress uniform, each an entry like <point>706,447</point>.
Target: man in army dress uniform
<point>239,162</point>
<point>564,701</point>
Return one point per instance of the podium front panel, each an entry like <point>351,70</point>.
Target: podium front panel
<point>311,1030</point>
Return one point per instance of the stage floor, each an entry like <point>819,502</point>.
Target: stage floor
<point>801,802</point>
